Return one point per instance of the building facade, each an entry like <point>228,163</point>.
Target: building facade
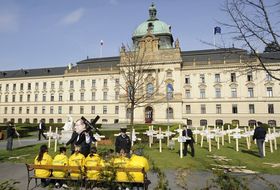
<point>204,87</point>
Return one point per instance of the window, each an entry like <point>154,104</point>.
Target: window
<point>252,123</point>
<point>105,95</point>
<point>82,96</point>
<point>116,109</point>
<point>218,108</point>
<point>60,97</point>
<point>0,87</point>
<point>13,110</point>
<point>251,92</point>
<point>233,92</point>
<point>35,120</point>
<point>203,122</point>
<point>36,85</point>
<point>202,93</point>
<point>71,84</point>
<point>71,97</point>
<point>51,109</point>
<point>92,109</point>
<point>250,76</point>
<point>21,86</point>
<point>272,123</point>
<point>51,120</point>
<point>202,78</point>
<point>93,96</point>
<point>13,98</point>
<point>60,84</point>
<point>5,110</point>
<point>251,108</point>
<point>52,85</point>
<point>104,109</point>
<point>188,109</point>
<point>27,110</point>
<point>93,83</point>
<point>169,74</point>
<point>234,109</point>
<point>268,77</point>
<point>269,92</point>
<point>82,110</point>
<point>117,94</point>
<point>150,89</point>
<point>44,85</point>
<point>36,98</point>
<point>7,87</point>
<point>70,109</point>
<point>169,91</point>
<point>169,113</point>
<point>187,79</point>
<point>7,98</point>
<point>28,97</point>
<point>219,122</point>
<point>59,109</point>
<point>43,109</point>
<point>35,110</point>
<point>82,83</point>
<point>203,109</point>
<point>232,77</point>
<point>128,113</point>
<point>52,97</point>
<point>218,92</point>
<point>20,98</point>
<point>217,78</point>
<point>270,108</point>
<point>14,87</point>
<point>105,83</point>
<point>44,97</point>
<point>188,93</point>
<point>117,82</point>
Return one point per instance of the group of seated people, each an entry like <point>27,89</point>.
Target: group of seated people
<point>92,160</point>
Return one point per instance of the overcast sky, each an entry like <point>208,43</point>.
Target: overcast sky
<point>51,33</point>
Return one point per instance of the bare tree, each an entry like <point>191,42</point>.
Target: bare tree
<point>140,82</point>
<point>252,24</point>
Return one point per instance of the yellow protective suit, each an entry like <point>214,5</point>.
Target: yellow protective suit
<point>60,160</point>
<point>77,159</point>
<point>93,161</point>
<point>138,162</point>
<point>121,162</point>
<point>46,160</point>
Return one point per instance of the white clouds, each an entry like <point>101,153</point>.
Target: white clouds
<point>73,17</point>
<point>8,22</point>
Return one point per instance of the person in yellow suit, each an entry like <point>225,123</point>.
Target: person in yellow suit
<point>138,161</point>
<point>43,158</point>
<point>121,161</point>
<point>77,159</point>
<point>60,160</point>
<point>93,160</point>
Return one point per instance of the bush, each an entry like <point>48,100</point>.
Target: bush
<point>227,126</point>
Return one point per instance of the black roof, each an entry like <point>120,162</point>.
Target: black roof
<point>104,62</point>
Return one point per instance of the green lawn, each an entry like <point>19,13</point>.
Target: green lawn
<point>169,159</point>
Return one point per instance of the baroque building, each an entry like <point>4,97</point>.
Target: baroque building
<point>204,87</point>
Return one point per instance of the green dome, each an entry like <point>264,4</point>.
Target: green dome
<point>158,27</point>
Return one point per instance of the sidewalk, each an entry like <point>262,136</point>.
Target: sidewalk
<point>21,142</point>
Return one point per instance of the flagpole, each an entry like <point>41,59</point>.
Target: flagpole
<point>101,48</point>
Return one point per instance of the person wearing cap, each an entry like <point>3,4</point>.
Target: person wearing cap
<point>188,133</point>
<point>138,161</point>
<point>77,159</point>
<point>123,142</point>
<point>259,135</point>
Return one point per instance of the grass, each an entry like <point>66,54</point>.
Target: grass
<point>169,159</point>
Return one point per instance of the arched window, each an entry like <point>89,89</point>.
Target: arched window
<point>272,123</point>
<point>252,123</point>
<point>128,113</point>
<point>219,122</point>
<point>150,89</point>
<point>169,90</point>
<point>235,122</point>
<point>169,113</point>
<point>35,120</point>
<point>19,120</point>
<point>51,120</point>
<point>203,122</point>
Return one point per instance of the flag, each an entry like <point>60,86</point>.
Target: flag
<point>217,29</point>
<point>101,42</point>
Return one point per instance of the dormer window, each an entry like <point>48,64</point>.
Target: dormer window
<point>150,26</point>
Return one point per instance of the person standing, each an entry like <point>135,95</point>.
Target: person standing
<point>11,132</point>
<point>42,128</point>
<point>123,142</point>
<point>259,135</point>
<point>188,133</point>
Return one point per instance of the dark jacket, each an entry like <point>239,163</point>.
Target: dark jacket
<point>123,142</point>
<point>11,131</point>
<point>189,134</point>
<point>43,126</point>
<point>259,133</point>
<point>73,140</point>
<point>85,147</point>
